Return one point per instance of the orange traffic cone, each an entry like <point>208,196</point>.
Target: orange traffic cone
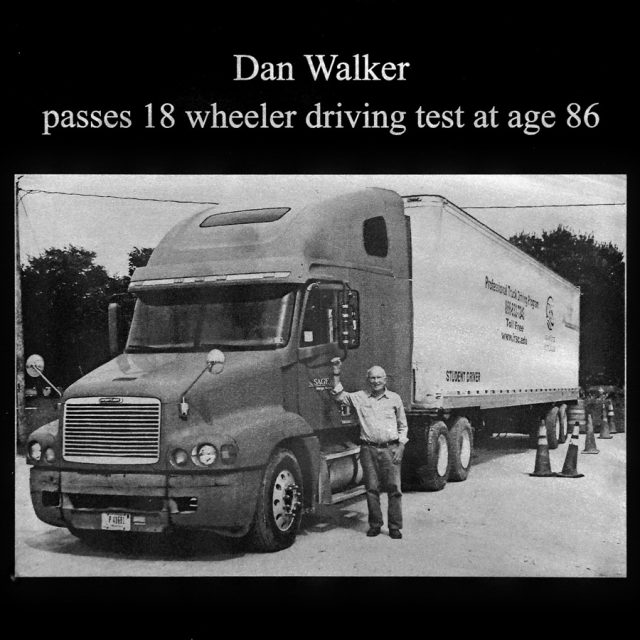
<point>590,441</point>
<point>604,427</point>
<point>543,465</point>
<point>570,470</point>
<point>611,418</point>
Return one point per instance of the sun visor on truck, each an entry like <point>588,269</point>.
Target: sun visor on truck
<point>247,216</point>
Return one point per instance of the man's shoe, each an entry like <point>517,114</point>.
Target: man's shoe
<point>373,531</point>
<point>396,534</point>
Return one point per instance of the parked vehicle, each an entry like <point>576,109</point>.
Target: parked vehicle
<point>217,413</point>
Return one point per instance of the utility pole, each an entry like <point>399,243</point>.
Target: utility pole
<point>20,410</point>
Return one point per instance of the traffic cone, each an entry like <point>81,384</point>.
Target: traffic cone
<point>604,427</point>
<point>590,441</point>
<point>611,418</point>
<point>570,470</point>
<point>543,465</point>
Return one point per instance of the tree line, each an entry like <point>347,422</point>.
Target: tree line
<point>599,270</point>
<point>65,296</point>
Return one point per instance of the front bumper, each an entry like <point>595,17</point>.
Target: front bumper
<point>219,501</point>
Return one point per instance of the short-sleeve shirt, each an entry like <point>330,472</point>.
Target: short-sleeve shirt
<point>382,418</point>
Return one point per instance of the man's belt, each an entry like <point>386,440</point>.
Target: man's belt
<point>380,445</point>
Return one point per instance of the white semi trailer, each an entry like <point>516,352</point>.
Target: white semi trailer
<point>495,334</point>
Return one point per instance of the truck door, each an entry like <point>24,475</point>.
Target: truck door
<point>318,344</point>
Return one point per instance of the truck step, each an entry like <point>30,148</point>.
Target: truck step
<point>349,493</point>
<point>341,454</point>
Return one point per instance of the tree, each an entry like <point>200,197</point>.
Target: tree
<point>599,270</point>
<point>138,257</point>
<point>64,300</point>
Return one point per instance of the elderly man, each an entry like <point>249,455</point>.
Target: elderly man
<point>383,435</point>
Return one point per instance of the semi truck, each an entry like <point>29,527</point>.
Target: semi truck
<point>216,413</point>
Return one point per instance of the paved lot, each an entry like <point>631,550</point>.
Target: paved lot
<point>500,522</point>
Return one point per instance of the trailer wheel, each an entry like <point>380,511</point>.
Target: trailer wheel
<point>553,424</point>
<point>564,428</point>
<point>433,452</point>
<point>460,448</point>
<point>279,509</point>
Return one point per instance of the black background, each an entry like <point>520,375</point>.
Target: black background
<point>537,60</point>
<point>506,62</point>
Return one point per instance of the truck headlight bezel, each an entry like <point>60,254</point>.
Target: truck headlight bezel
<point>34,450</point>
<point>228,453</point>
<point>204,454</point>
<point>179,457</point>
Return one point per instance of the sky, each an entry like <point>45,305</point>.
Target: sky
<point>111,227</point>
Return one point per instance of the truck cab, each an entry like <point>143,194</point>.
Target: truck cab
<point>216,415</point>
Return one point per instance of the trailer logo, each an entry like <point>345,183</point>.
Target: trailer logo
<point>110,401</point>
<point>549,311</point>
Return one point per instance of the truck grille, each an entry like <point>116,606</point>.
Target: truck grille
<point>111,430</point>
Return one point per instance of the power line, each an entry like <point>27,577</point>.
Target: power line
<point>98,195</point>
<point>519,206</point>
<point>546,206</point>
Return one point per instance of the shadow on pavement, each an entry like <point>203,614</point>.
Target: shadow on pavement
<point>171,546</point>
<point>337,516</point>
<point>500,445</point>
<point>187,545</point>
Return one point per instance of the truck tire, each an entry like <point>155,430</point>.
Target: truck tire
<point>460,448</point>
<point>553,422</point>
<point>565,432</point>
<point>279,509</point>
<point>433,451</point>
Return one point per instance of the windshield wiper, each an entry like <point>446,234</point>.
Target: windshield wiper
<point>138,348</point>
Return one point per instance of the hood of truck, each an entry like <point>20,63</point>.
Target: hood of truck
<point>167,376</point>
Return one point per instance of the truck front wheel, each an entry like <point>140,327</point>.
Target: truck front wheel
<point>433,467</point>
<point>279,509</point>
<point>460,448</point>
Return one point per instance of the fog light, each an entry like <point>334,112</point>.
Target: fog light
<point>35,451</point>
<point>179,457</point>
<point>228,453</point>
<point>206,454</point>
<point>49,454</point>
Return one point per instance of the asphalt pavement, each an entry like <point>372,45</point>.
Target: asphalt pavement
<point>500,522</point>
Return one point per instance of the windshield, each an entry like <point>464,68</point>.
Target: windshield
<point>236,317</point>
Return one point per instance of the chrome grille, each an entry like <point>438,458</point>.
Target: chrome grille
<point>111,430</point>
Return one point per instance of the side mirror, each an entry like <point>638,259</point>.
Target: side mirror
<point>349,319</point>
<point>215,361</point>
<point>120,313</point>
<point>214,364</point>
<point>115,342</point>
<point>35,367</point>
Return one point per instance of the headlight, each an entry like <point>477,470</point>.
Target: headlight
<point>49,454</point>
<point>179,457</point>
<point>35,451</point>
<point>206,454</point>
<point>228,453</point>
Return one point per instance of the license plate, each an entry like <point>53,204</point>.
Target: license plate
<point>116,521</point>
